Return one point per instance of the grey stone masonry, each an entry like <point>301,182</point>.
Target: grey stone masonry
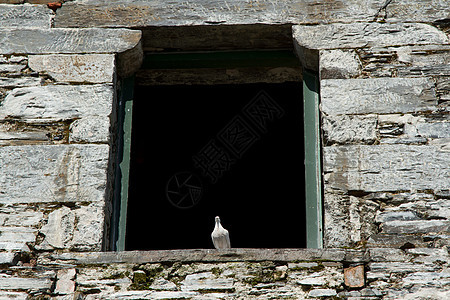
<point>28,16</point>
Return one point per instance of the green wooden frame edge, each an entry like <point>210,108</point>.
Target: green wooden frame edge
<point>313,169</point>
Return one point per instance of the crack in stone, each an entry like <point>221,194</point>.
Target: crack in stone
<point>385,5</point>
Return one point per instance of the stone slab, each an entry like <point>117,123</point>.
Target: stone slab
<point>53,173</point>
<point>18,216</point>
<point>386,168</point>
<point>206,282</point>
<point>359,35</point>
<point>211,255</point>
<point>10,83</point>
<point>57,102</point>
<point>88,68</point>
<point>419,226</point>
<point>127,13</point>
<point>67,41</point>
<point>335,64</point>
<point>6,258</point>
<point>405,61</point>
<point>25,16</point>
<point>17,234</point>
<point>94,129</point>
<point>159,295</point>
<point>17,283</point>
<point>349,129</point>
<point>13,295</point>
<point>320,293</point>
<point>377,95</point>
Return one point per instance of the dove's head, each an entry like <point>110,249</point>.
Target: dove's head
<point>217,219</point>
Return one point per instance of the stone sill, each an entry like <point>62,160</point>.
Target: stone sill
<point>207,256</point>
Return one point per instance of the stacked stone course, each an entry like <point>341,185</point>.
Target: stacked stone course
<point>384,105</point>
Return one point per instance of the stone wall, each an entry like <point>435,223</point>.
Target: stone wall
<point>385,95</point>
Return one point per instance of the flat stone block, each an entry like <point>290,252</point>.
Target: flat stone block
<point>68,41</point>
<point>157,295</point>
<point>402,267</point>
<point>9,83</point>
<point>354,276</point>
<point>88,68</point>
<point>207,282</point>
<point>13,295</point>
<point>422,226</point>
<point>377,95</point>
<point>20,218</point>
<point>6,258</point>
<point>16,283</point>
<point>386,168</point>
<point>349,129</point>
<point>203,12</point>
<point>17,234</point>
<point>211,255</point>
<point>25,16</point>
<point>388,254</point>
<point>317,293</point>
<point>53,173</point>
<point>339,64</point>
<point>57,102</point>
<point>359,35</point>
<point>90,130</point>
<point>396,216</point>
<point>78,229</point>
<point>435,130</point>
<point>14,246</point>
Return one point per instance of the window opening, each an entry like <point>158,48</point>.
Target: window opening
<point>257,186</point>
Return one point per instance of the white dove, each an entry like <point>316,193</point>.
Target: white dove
<point>220,236</point>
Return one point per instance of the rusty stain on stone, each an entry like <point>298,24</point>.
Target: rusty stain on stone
<point>354,276</point>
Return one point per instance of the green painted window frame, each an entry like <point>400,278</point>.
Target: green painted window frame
<point>312,141</point>
<point>313,161</point>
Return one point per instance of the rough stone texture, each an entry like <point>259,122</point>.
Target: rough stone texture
<point>71,41</point>
<point>88,68</point>
<point>386,168</point>
<point>67,41</point>
<point>57,102</point>
<point>6,258</point>
<point>89,13</point>
<point>16,283</point>
<point>67,173</point>
<point>94,129</point>
<point>210,256</point>
<point>339,64</point>
<point>405,61</point>
<point>19,82</point>
<point>359,35</point>
<point>378,95</point>
<point>348,220</point>
<point>349,129</point>
<point>25,16</point>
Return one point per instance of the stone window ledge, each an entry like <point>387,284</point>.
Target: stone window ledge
<point>207,255</point>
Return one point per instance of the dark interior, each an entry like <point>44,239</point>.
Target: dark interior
<point>259,198</point>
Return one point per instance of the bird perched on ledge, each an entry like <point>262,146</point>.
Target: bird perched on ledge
<point>220,236</point>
